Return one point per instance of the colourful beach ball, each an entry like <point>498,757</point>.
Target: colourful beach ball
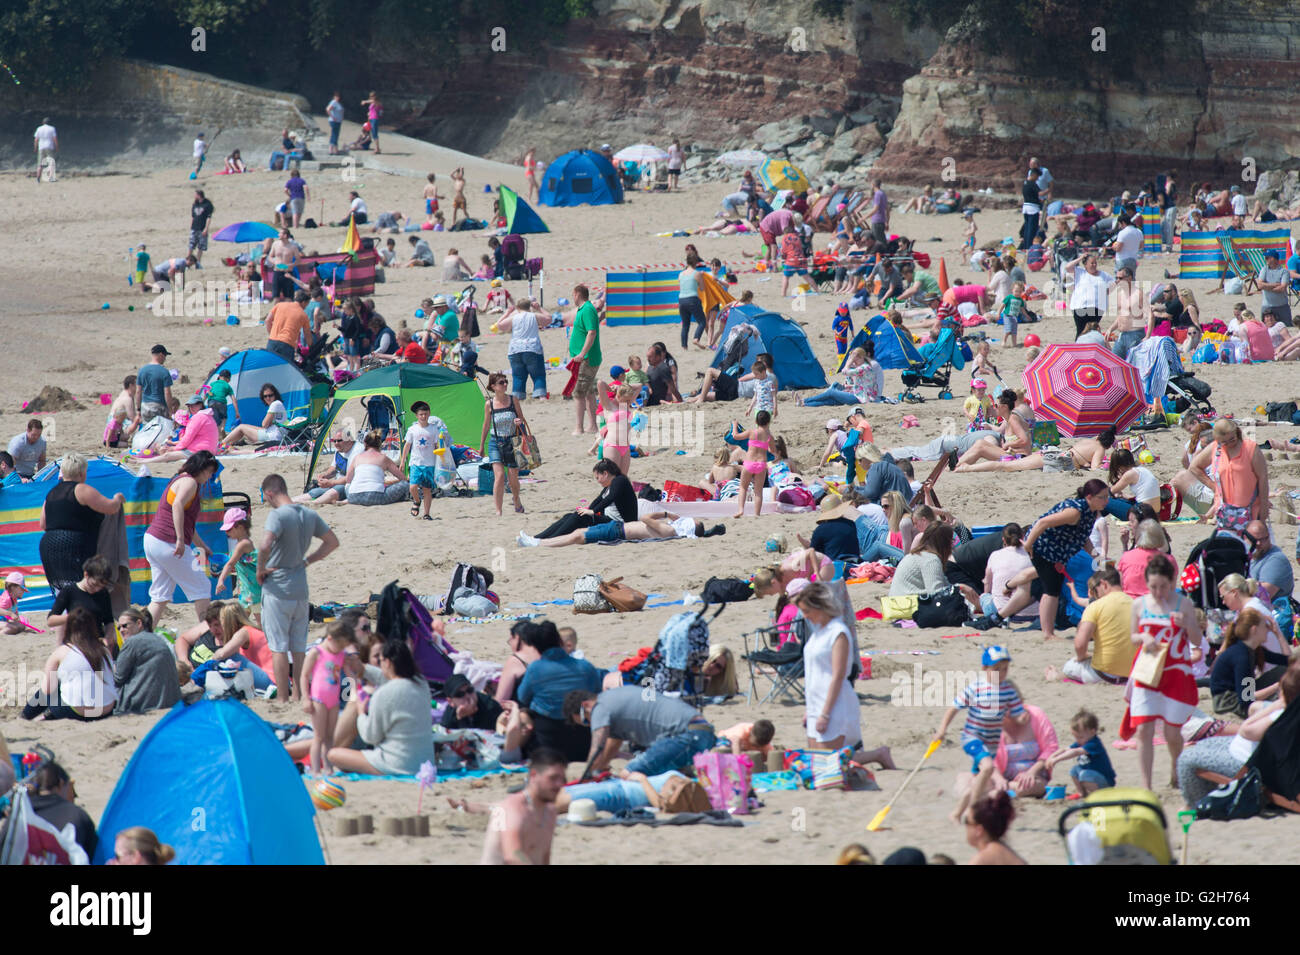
<point>327,794</point>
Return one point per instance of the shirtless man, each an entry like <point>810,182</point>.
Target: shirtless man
<point>458,193</point>
<point>522,825</point>
<point>121,415</point>
<point>431,197</point>
<point>281,257</point>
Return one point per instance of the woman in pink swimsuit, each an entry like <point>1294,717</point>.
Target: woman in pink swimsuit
<point>324,669</point>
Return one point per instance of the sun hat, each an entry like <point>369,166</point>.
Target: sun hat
<point>834,424</point>
<point>582,810</point>
<point>439,300</point>
<point>233,516</point>
<point>995,655</point>
<point>194,400</point>
<point>842,509</point>
<point>978,383</point>
<point>16,578</point>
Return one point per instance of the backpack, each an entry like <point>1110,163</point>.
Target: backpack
<point>464,575</point>
<point>723,590</point>
<point>1237,799</point>
<point>1280,410</point>
<point>512,248</point>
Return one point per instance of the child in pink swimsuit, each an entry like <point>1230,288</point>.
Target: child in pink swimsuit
<point>617,441</point>
<point>754,469</point>
<point>324,672</point>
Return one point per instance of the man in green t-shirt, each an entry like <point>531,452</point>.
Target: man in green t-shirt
<point>218,393</point>
<point>584,348</point>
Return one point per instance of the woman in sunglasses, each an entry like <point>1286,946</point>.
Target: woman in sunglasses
<point>269,431</point>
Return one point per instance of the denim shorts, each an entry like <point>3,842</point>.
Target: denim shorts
<point>609,531</point>
<point>1090,776</point>
<point>501,451</point>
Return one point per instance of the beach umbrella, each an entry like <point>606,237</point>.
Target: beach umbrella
<point>246,232</point>
<point>740,158</point>
<point>779,174</point>
<point>1084,389</point>
<point>641,152</point>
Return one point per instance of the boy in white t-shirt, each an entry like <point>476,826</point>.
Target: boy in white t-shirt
<point>200,153</point>
<point>423,439</point>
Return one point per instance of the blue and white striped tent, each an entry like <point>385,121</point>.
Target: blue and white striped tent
<point>252,368</point>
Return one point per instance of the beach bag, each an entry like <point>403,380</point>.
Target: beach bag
<point>1237,799</point>
<point>620,596</point>
<point>1205,352</point>
<point>1149,668</point>
<point>587,597</point>
<point>796,496</point>
<point>725,777</point>
<point>830,768</point>
<point>1045,434</point>
<point>527,454</point>
<point>677,493</point>
<point>470,603</point>
<point>899,608</point>
<point>799,762</point>
<point>725,590</point>
<point>945,609</point>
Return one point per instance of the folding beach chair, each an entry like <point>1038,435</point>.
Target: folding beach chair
<point>781,666</point>
<point>925,493</point>
<point>1239,265</point>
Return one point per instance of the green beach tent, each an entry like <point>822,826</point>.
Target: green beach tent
<point>520,217</point>
<point>457,400</point>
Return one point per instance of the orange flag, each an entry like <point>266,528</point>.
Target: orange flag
<point>352,241</point>
<point>943,276</point>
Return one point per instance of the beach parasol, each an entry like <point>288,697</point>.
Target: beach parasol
<point>246,232</point>
<point>1084,389</point>
<point>779,174</point>
<point>740,158</point>
<point>641,152</point>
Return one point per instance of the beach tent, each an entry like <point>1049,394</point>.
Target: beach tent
<point>784,339</point>
<point>457,400</point>
<point>20,528</point>
<point>894,346</point>
<point>581,178</point>
<point>520,217</point>
<point>213,782</point>
<point>254,367</point>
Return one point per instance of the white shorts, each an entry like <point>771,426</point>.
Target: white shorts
<point>1199,498</point>
<point>170,572</point>
<point>1080,670</point>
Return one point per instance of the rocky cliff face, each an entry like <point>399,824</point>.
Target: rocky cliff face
<point>719,74</point>
<point>1220,108</point>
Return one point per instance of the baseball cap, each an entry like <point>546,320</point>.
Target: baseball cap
<point>616,371</point>
<point>16,578</point>
<point>605,146</point>
<point>995,655</point>
<point>159,350</point>
<point>834,424</point>
<point>1272,254</point>
<point>194,400</point>
<point>232,517</point>
<point>456,683</point>
<point>978,383</point>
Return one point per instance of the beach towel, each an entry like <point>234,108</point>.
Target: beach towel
<point>113,545</point>
<point>572,383</point>
<point>644,817</point>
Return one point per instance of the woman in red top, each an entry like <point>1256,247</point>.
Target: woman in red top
<point>167,549</point>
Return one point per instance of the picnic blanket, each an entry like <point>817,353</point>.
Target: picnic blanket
<point>643,817</point>
<point>443,775</point>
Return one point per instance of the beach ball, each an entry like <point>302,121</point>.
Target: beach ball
<point>105,306</point>
<point>130,308</point>
<point>561,302</point>
<point>1146,457</point>
<point>1031,340</point>
<point>194,175</point>
<point>494,329</point>
<point>224,351</point>
<point>105,399</point>
<point>175,373</point>
<point>419,313</point>
<point>327,794</point>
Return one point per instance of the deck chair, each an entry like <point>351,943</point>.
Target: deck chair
<point>1239,265</point>
<point>925,493</point>
<point>939,360</point>
<point>782,667</point>
<point>1291,805</point>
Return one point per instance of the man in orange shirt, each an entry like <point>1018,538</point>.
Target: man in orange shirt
<point>286,322</point>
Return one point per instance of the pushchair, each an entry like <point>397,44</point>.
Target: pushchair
<point>1213,559</point>
<point>938,361</point>
<point>1125,826</point>
<point>1186,391</point>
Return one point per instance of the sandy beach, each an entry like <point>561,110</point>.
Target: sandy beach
<point>69,241</point>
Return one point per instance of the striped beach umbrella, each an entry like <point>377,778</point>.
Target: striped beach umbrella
<point>1085,389</point>
<point>777,174</point>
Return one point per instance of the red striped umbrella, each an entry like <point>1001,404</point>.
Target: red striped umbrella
<point>1085,389</point>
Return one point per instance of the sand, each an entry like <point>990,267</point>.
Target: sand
<point>70,250</point>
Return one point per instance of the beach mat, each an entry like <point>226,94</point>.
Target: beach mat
<point>442,775</point>
<point>714,817</point>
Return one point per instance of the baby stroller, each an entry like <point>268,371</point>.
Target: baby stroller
<point>1186,391</point>
<point>1209,563</point>
<point>468,310</point>
<point>1117,826</point>
<point>935,371</point>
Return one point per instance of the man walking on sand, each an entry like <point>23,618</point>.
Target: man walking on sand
<point>458,194</point>
<point>334,111</point>
<point>584,349</point>
<point>282,561</point>
<point>522,825</point>
<point>46,141</point>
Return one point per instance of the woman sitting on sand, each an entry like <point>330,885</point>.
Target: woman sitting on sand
<point>723,470</point>
<point>393,718</point>
<point>1020,763</point>
<point>986,823</point>
<point>902,530</point>
<point>366,475</point>
<point>921,572</point>
<point>271,429</point>
<point>923,203</point>
<point>1086,454</point>
<point>77,682</point>
<point>1016,441</point>
<point>1125,474</point>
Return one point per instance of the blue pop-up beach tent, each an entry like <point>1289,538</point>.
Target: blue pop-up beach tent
<point>894,346</point>
<point>213,782</point>
<point>20,524</point>
<point>249,370</point>
<point>781,337</point>
<point>581,178</point>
